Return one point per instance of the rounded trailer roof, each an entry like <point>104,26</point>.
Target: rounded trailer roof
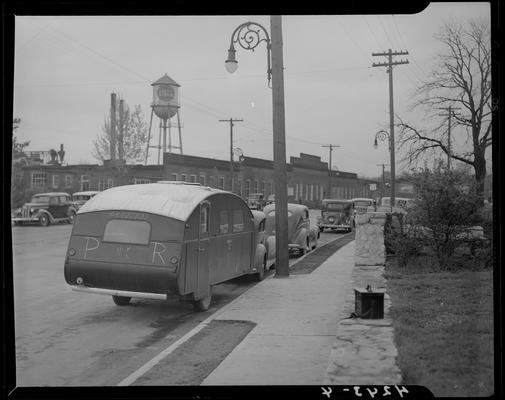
<point>163,198</point>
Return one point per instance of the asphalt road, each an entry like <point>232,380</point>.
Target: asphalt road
<point>66,338</point>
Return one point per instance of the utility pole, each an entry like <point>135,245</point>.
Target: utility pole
<point>281,195</point>
<point>330,146</point>
<point>390,63</point>
<point>113,126</point>
<point>450,111</point>
<point>231,121</point>
<point>383,179</point>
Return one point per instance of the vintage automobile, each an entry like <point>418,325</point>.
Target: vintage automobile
<point>302,237</point>
<point>79,198</point>
<point>360,206</point>
<point>336,215</point>
<point>162,240</point>
<point>253,200</point>
<point>402,203</point>
<point>267,239</point>
<point>45,209</point>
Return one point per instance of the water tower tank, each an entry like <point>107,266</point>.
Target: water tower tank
<point>165,97</point>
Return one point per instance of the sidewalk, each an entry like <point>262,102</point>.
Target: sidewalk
<point>298,338</point>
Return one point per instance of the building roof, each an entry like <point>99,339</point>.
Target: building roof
<point>170,199</point>
<point>165,80</point>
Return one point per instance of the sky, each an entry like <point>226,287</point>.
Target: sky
<point>66,68</point>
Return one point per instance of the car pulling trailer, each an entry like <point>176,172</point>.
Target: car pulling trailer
<point>161,240</point>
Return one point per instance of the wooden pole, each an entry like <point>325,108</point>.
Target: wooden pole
<point>281,203</point>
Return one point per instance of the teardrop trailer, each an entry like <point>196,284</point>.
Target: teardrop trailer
<point>162,240</point>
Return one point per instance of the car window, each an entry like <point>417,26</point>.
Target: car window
<point>204,219</point>
<point>53,201</point>
<point>64,199</point>
<point>306,214</point>
<point>238,221</point>
<point>127,231</point>
<point>261,226</point>
<point>271,214</point>
<point>40,199</point>
<point>223,221</point>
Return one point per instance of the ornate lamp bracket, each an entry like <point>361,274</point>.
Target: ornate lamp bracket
<point>249,35</point>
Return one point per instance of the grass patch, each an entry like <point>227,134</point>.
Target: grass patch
<point>443,323</point>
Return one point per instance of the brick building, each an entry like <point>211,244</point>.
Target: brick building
<point>307,177</point>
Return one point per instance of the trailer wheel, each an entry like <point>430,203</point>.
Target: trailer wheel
<point>121,300</point>
<point>204,303</point>
<point>44,220</point>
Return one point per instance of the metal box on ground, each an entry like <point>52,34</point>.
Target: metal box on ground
<point>369,304</point>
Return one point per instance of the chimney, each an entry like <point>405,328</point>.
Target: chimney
<point>113,126</point>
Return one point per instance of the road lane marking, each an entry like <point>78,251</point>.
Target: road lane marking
<point>155,360</point>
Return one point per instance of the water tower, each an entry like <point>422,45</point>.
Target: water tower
<point>165,105</point>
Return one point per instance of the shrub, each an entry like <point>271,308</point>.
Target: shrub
<point>440,219</point>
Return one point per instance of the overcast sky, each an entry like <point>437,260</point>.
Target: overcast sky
<point>66,67</point>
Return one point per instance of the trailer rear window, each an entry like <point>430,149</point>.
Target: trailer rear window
<point>127,231</point>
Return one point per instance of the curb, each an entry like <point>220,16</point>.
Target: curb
<point>364,352</point>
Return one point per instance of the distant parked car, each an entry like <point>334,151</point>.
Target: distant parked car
<point>255,200</point>
<point>402,203</point>
<point>301,236</point>
<point>79,198</point>
<point>265,243</point>
<point>360,206</point>
<point>45,209</point>
<point>336,215</point>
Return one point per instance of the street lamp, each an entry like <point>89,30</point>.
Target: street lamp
<point>249,35</point>
<point>382,135</point>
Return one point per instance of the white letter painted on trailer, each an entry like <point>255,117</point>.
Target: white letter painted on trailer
<point>158,252</point>
<point>93,248</point>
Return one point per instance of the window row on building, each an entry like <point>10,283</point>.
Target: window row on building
<point>307,178</point>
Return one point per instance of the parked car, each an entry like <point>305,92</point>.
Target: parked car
<point>162,240</point>
<point>336,215</point>
<point>360,206</point>
<point>45,209</point>
<point>265,239</point>
<point>79,198</point>
<point>255,201</point>
<point>301,236</point>
<point>402,203</point>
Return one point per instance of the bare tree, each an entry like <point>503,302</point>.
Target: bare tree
<point>462,79</point>
<point>19,160</point>
<point>134,139</point>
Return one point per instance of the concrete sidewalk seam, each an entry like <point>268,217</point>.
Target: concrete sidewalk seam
<point>278,351</point>
<point>364,351</point>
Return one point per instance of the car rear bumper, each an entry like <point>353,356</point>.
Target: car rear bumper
<point>121,293</point>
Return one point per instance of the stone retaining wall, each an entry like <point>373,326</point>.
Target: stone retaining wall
<point>370,249</point>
